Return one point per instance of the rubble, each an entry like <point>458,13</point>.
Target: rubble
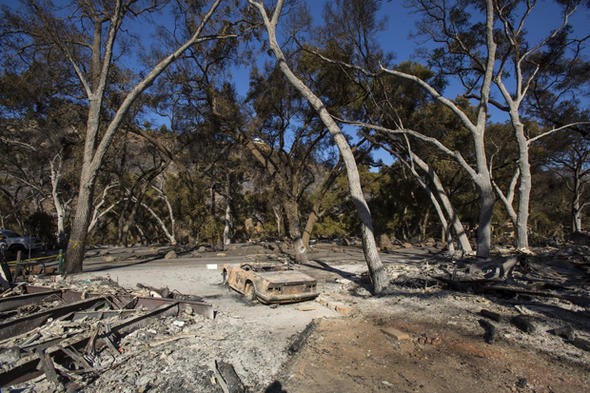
<point>72,334</point>
<point>490,331</point>
<point>439,317</point>
<point>524,323</point>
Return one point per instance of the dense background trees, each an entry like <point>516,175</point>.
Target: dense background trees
<point>114,133</point>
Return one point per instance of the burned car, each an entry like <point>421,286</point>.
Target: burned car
<point>270,282</point>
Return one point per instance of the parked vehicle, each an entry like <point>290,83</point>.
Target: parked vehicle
<point>15,242</point>
<point>270,282</point>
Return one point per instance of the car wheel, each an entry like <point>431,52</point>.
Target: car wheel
<point>15,248</point>
<point>250,292</point>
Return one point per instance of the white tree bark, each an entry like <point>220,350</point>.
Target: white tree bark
<point>578,190</point>
<point>375,266</point>
<point>441,194</point>
<point>278,219</point>
<point>170,233</point>
<point>61,208</point>
<point>227,226</point>
<point>291,209</point>
<point>97,213</point>
<point>480,174</point>
<point>519,57</point>
<point>447,236</point>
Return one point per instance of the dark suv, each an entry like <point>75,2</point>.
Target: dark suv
<point>15,242</point>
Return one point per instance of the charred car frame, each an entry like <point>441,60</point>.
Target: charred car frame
<point>270,282</point>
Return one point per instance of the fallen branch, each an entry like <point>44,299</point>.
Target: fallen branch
<point>492,287</point>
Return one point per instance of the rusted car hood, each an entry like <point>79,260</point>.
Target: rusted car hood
<point>285,277</point>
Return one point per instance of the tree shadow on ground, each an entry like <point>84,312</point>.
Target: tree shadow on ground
<point>355,278</point>
<point>101,266</point>
<point>275,387</point>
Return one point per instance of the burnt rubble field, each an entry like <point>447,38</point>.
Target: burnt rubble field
<point>154,320</point>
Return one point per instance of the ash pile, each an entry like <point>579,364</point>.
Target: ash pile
<point>95,336</point>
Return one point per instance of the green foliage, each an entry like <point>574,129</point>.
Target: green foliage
<point>211,230</point>
<point>331,227</point>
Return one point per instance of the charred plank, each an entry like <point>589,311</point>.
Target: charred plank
<point>228,379</point>
<point>29,322</point>
<point>13,302</point>
<point>490,331</point>
<point>582,344</point>
<point>494,316</point>
<point>301,339</point>
<point>566,332</point>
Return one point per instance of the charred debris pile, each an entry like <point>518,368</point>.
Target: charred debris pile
<point>67,336</point>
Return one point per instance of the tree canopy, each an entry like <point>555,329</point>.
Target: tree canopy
<point>228,121</point>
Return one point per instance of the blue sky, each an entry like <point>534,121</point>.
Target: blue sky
<point>401,24</point>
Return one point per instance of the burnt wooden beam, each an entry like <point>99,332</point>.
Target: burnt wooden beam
<point>490,331</point>
<point>13,302</point>
<point>494,316</point>
<point>494,288</point>
<point>302,337</point>
<point>199,307</point>
<point>524,323</point>
<point>29,322</point>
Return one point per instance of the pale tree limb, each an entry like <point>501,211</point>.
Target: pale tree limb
<point>441,200</point>
<point>97,214</point>
<point>557,129</point>
<point>456,155</point>
<point>61,207</point>
<point>436,95</point>
<point>170,234</point>
<point>422,183</point>
<point>375,266</point>
<point>508,198</point>
<point>161,223</point>
<point>507,203</point>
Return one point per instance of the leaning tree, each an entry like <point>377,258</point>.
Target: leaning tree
<point>375,266</point>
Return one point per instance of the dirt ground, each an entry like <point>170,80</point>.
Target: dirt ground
<point>421,336</point>
<point>354,355</point>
